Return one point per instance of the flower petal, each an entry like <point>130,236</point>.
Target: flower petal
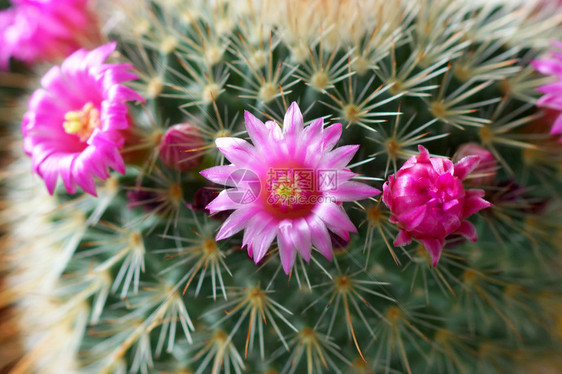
<point>465,166</point>
<point>331,136</point>
<point>557,126</point>
<point>293,123</point>
<point>467,230</point>
<point>301,238</point>
<point>275,131</point>
<point>220,174</point>
<point>414,217</point>
<point>262,242</point>
<point>235,222</point>
<point>257,130</point>
<point>98,56</point>
<point>339,157</point>
<point>83,175</point>
<point>548,66</point>
<point>237,151</point>
<point>287,251</point>
<point>320,236</point>
<point>424,154</point>
<point>402,239</point>
<point>313,132</point>
<point>119,92</point>
<point>434,247</point>
<point>353,191</point>
<point>474,202</point>
<point>222,202</point>
<point>335,217</point>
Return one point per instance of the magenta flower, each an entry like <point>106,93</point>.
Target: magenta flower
<point>43,30</point>
<point>72,126</point>
<point>552,65</point>
<point>289,185</point>
<point>428,202</point>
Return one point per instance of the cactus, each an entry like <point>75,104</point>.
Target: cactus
<point>138,263</point>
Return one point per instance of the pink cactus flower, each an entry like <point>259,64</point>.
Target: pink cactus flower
<point>486,170</point>
<point>552,65</point>
<point>181,147</point>
<point>44,30</point>
<point>428,202</point>
<point>72,126</point>
<point>288,185</point>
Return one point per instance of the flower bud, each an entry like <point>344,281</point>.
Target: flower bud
<point>181,147</point>
<point>428,202</point>
<point>202,198</point>
<point>149,201</point>
<point>485,172</point>
<point>338,243</point>
<point>517,197</point>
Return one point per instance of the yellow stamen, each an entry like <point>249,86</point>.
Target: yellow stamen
<point>287,188</point>
<point>82,122</point>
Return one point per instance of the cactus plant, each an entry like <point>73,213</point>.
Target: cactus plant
<point>202,192</point>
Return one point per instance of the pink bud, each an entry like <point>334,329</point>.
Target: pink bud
<point>202,198</point>
<point>149,201</point>
<point>485,172</point>
<point>181,147</point>
<point>428,201</point>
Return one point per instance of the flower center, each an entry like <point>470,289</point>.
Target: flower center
<point>445,193</point>
<point>439,195</point>
<point>82,122</point>
<point>287,189</point>
<point>291,192</point>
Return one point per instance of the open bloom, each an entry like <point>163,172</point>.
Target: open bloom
<point>288,185</point>
<point>428,202</point>
<point>72,126</point>
<point>43,30</point>
<point>552,65</point>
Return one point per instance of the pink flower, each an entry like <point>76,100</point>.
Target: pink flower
<point>181,147</point>
<point>485,172</point>
<point>43,30</point>
<point>552,65</point>
<point>427,201</point>
<point>289,185</point>
<point>72,126</point>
